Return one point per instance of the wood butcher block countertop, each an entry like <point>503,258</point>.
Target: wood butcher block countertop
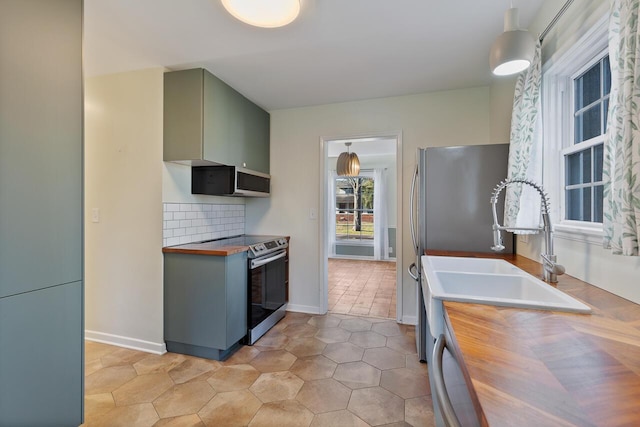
<point>214,248</point>
<point>548,368</point>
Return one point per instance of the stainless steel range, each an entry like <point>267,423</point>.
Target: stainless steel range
<point>267,283</point>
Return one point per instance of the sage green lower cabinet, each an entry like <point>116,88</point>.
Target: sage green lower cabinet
<point>205,304</point>
<point>41,357</point>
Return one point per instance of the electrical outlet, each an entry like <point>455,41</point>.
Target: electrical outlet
<point>524,238</point>
<point>390,249</point>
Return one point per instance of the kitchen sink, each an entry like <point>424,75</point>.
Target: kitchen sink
<point>487,281</point>
<point>503,289</point>
<point>471,265</point>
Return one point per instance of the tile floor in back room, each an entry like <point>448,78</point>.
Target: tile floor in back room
<point>362,287</point>
<point>334,370</point>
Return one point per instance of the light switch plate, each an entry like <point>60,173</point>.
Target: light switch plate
<point>313,214</point>
<point>95,215</point>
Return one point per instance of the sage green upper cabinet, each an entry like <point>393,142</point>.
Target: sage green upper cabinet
<point>208,122</point>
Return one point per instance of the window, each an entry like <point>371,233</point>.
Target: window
<point>354,208</point>
<point>575,99</point>
<point>583,160</point>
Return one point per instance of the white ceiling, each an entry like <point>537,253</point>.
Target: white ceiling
<point>337,50</point>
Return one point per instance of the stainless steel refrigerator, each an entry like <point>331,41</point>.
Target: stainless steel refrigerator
<point>451,209</point>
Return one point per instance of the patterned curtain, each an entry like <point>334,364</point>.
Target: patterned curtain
<point>622,146</point>
<point>522,204</point>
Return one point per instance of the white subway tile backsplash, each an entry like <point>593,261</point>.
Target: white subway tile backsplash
<point>171,241</point>
<point>194,222</point>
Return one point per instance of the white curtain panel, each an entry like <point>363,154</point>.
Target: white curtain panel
<point>331,212</point>
<point>621,169</point>
<point>522,203</point>
<point>380,222</point>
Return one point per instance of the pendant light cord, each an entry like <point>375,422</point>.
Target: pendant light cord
<point>555,20</point>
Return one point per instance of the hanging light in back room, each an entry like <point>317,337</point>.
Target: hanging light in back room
<point>513,50</point>
<point>348,163</point>
<point>263,13</point>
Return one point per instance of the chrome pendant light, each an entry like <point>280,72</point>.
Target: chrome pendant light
<point>513,50</point>
<point>348,163</point>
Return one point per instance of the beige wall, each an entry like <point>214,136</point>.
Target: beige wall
<point>589,262</point>
<point>123,178</point>
<point>457,117</point>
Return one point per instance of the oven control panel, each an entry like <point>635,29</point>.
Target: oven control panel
<point>264,248</point>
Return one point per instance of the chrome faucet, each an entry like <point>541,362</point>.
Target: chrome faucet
<point>551,269</point>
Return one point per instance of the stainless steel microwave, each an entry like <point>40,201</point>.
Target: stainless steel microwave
<point>229,181</point>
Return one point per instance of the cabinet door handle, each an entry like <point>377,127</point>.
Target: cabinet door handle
<point>448,413</point>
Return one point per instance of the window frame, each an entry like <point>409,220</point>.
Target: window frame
<point>558,107</point>
<point>360,241</point>
<point>570,147</point>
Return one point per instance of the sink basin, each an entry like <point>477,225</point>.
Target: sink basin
<point>505,290</point>
<point>472,265</point>
<point>487,281</point>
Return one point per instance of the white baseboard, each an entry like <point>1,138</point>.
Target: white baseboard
<point>309,309</point>
<point>126,342</point>
<point>409,320</point>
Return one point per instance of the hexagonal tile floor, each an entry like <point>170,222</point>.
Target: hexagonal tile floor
<point>332,370</point>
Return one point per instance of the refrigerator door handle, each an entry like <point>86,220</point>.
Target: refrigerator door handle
<point>412,270</point>
<point>412,212</point>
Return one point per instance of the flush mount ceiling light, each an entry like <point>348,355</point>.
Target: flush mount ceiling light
<point>513,50</point>
<point>348,163</point>
<point>264,13</point>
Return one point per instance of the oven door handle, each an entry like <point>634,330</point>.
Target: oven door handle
<point>258,262</point>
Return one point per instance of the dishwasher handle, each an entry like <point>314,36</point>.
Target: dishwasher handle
<point>448,413</point>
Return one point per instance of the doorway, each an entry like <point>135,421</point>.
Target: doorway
<point>360,241</point>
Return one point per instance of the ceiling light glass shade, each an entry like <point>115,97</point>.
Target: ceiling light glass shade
<point>513,50</point>
<point>264,13</point>
<point>348,163</point>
